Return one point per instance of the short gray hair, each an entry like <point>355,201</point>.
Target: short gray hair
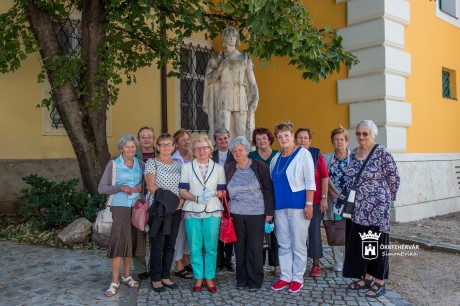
<point>240,140</point>
<point>371,125</point>
<point>127,138</point>
<point>221,131</point>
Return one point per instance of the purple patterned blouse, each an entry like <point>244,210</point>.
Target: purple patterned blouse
<point>376,188</point>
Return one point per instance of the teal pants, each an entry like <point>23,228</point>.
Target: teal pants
<point>203,232</point>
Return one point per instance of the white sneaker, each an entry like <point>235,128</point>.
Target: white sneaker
<point>338,267</point>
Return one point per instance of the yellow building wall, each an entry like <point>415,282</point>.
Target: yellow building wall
<point>433,44</point>
<point>284,95</point>
<point>21,121</point>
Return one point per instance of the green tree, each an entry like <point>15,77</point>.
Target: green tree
<point>120,36</point>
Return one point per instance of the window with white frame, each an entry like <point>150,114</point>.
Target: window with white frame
<point>194,61</point>
<point>449,11</point>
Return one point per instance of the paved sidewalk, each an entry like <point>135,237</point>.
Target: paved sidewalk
<point>36,275</point>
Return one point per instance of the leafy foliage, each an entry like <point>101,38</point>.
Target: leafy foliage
<point>47,204</point>
<point>145,32</point>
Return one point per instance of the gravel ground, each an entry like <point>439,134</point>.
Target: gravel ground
<point>429,277</point>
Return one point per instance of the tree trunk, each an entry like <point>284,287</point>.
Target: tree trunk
<point>86,130</point>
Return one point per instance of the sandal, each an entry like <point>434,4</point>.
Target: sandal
<point>378,291</point>
<point>112,289</point>
<point>183,274</point>
<point>130,282</point>
<point>367,284</point>
<point>188,268</point>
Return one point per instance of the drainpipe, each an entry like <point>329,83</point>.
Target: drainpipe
<point>164,101</point>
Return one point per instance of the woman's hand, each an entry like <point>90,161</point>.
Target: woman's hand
<point>268,218</point>
<point>126,189</point>
<point>137,189</point>
<point>308,212</point>
<point>323,205</point>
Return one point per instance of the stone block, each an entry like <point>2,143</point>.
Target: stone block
<point>76,232</point>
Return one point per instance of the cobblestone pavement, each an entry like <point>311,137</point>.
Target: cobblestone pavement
<point>36,275</point>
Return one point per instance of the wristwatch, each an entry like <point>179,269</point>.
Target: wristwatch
<point>323,196</point>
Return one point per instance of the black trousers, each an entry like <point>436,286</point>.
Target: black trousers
<point>162,251</point>
<point>248,249</point>
<point>272,252</point>
<point>224,254</point>
<point>355,265</point>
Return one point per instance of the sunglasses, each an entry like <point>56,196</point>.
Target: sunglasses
<point>364,134</point>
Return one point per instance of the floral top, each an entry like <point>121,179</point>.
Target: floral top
<point>337,172</point>
<point>376,188</point>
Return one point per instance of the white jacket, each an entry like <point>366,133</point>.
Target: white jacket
<point>300,172</point>
<point>192,181</point>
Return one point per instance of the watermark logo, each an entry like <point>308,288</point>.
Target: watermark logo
<point>370,245</point>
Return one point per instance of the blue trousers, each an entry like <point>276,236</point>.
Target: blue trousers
<point>201,232</point>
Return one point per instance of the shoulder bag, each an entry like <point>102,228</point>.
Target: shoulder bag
<point>346,202</point>
<point>139,215</point>
<point>227,230</point>
<point>103,223</point>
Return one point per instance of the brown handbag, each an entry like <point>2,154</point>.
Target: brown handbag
<point>335,232</point>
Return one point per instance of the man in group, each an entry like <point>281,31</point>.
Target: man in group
<point>223,156</point>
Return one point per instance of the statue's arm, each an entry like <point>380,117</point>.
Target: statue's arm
<point>214,68</point>
<point>252,86</point>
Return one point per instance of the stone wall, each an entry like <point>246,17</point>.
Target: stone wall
<point>11,172</point>
<point>430,186</point>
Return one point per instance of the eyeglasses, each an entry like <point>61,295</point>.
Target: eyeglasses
<point>364,134</point>
<point>201,148</point>
<point>166,145</point>
<point>147,137</point>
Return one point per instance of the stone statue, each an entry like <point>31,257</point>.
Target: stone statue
<point>230,94</point>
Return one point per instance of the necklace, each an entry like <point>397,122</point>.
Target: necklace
<point>277,170</point>
<point>363,152</point>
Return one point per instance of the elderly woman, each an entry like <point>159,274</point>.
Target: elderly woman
<point>183,154</point>
<point>337,163</point>
<point>303,138</point>
<point>292,172</point>
<point>262,139</point>
<point>145,151</point>
<point>223,156</point>
<point>375,190</point>
<point>201,184</point>
<point>125,240</point>
<point>163,172</point>
<point>250,192</point>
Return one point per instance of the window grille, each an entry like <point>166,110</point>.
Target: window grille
<point>194,62</point>
<point>68,35</point>
<point>446,84</point>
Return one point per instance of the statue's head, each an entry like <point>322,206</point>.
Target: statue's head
<point>227,32</point>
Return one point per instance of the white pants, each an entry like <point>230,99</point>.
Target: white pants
<point>292,234</point>
<point>181,246</point>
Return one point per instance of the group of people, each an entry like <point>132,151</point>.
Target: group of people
<point>294,188</point>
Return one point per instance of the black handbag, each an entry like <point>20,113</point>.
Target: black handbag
<point>345,205</point>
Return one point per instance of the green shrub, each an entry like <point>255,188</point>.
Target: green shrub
<point>48,204</point>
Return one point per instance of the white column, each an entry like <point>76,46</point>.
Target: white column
<point>376,87</point>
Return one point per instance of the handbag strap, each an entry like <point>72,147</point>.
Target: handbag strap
<point>224,200</point>
<point>114,180</point>
<point>358,176</point>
